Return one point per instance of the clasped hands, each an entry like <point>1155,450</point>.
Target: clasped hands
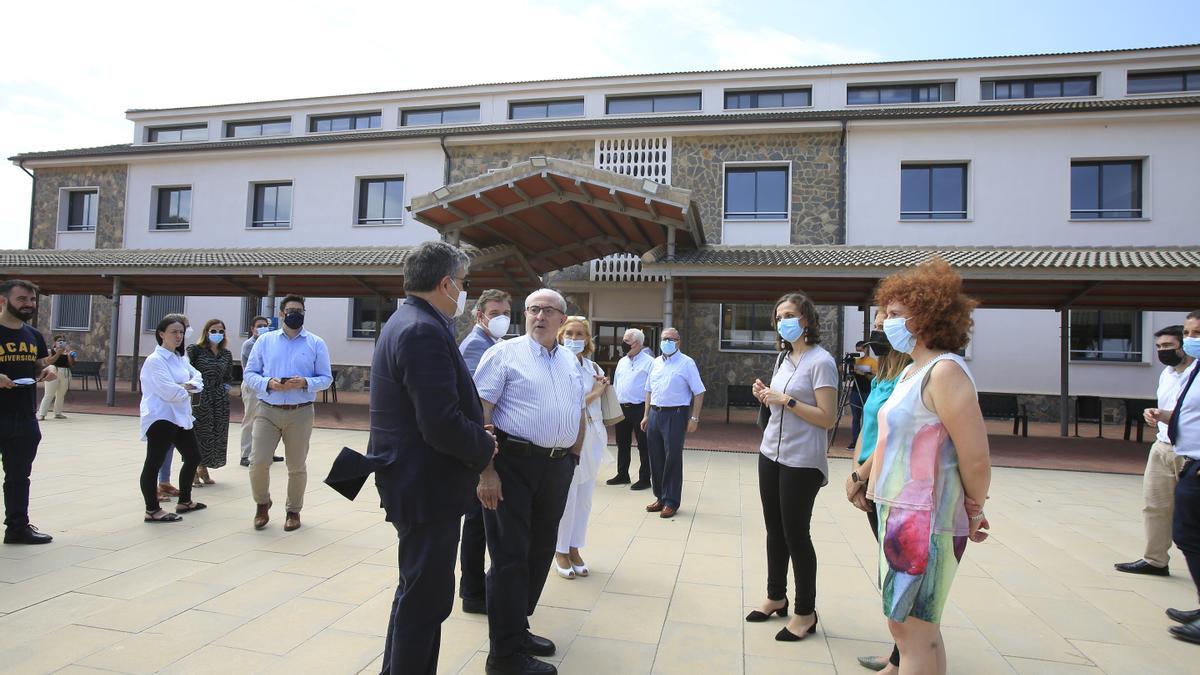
<point>767,395</point>
<point>287,383</point>
<point>978,525</point>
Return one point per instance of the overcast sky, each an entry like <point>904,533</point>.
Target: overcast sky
<point>70,69</point>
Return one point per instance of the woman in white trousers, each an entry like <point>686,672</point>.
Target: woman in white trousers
<point>63,360</point>
<point>576,336</point>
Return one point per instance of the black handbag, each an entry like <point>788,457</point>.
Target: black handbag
<point>764,411</point>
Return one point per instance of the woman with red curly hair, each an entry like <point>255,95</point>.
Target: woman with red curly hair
<point>930,471</point>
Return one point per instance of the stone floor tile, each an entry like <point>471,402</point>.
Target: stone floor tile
<point>1127,660</point>
<point>331,652</point>
<point>148,610</point>
<point>759,640</point>
<point>371,617</point>
<point>618,657</point>
<point>1036,667</point>
<point>635,578</point>
<point>287,626</point>
<point>1077,619</point>
<point>355,585</point>
<point>146,579</point>
<point>690,648</point>
<point>241,569</point>
<point>43,587</point>
<point>576,594</point>
<point>765,665</point>
<point>708,605</point>
<point>709,522</point>
<point>714,543</point>
<point>137,555</point>
<point>57,649</point>
<point>260,595</point>
<point>218,660</point>
<point>32,622</point>
<point>715,570</point>
<point>164,643</point>
<point>632,618</point>
<point>646,550</point>
<point>16,570</point>
<point>461,640</point>
<point>1022,633</point>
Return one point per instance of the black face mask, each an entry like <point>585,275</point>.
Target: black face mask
<point>879,343</point>
<point>293,320</point>
<point>625,347</point>
<point>1169,357</point>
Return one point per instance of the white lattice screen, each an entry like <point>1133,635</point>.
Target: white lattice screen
<point>620,267</point>
<point>643,157</point>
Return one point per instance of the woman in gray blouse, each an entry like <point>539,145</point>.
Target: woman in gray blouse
<point>802,397</point>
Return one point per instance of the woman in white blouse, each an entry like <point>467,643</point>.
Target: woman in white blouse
<point>168,382</point>
<point>802,398</point>
<point>576,336</point>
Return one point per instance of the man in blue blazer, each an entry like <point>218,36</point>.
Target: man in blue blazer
<point>428,445</point>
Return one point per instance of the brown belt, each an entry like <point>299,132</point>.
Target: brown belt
<point>285,406</point>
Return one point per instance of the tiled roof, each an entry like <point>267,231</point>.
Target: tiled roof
<point>838,115</point>
<point>352,256</point>
<point>961,257</point>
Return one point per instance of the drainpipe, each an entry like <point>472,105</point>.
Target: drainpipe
<point>446,162</point>
<point>32,200</point>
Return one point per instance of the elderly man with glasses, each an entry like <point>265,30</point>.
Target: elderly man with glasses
<point>674,397</point>
<point>531,393</point>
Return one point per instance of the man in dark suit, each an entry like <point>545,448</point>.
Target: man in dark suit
<point>428,445</point>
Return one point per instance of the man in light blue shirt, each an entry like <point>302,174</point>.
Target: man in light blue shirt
<point>287,368</point>
<point>674,396</point>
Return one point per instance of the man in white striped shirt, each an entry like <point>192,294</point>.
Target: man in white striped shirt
<point>530,390</point>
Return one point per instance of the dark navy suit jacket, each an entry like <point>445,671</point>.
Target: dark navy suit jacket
<point>427,439</point>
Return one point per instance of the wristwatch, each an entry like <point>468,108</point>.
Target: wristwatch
<point>791,403</point>
<point>854,477</point>
<point>693,419</point>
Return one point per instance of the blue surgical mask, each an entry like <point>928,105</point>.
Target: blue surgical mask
<point>574,346</point>
<point>897,334</point>
<point>262,330</point>
<point>1191,347</point>
<point>790,329</point>
<point>668,347</point>
<point>216,338</point>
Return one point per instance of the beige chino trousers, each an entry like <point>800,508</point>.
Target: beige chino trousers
<point>1158,491</point>
<point>250,406</point>
<point>294,427</point>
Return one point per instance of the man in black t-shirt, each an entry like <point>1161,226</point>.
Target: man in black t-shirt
<point>23,361</point>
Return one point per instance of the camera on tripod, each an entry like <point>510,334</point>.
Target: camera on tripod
<point>848,361</point>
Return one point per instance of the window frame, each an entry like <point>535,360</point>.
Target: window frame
<point>772,349</point>
<point>354,117</point>
<point>1188,75</point>
<point>148,317</point>
<point>360,194</point>
<point>67,209</point>
<point>965,165</point>
<point>914,88</point>
<point>755,93</point>
<point>56,314</point>
<point>1138,341</point>
<point>750,166</point>
<point>254,205</point>
<point>441,110</point>
<point>654,98</point>
<point>1139,164</point>
<point>152,132</point>
<point>352,312</point>
<point>231,125</point>
<point>156,224</point>
<point>250,308</point>
<point>546,103</point>
<point>1029,81</point>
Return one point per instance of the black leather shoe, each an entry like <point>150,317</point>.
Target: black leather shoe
<point>1188,631</point>
<point>474,605</point>
<point>536,645</point>
<point>1183,615</point>
<point>276,458</point>
<point>518,664</point>
<point>245,461</point>
<point>1143,567</point>
<point>26,535</point>
<point>617,480</point>
<point>640,485</point>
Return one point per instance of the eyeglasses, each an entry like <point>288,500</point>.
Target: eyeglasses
<point>463,284</point>
<point>547,311</point>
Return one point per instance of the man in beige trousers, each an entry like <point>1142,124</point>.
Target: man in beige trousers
<point>287,368</point>
<point>1163,465</point>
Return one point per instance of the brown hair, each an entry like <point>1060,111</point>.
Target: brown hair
<point>588,346</point>
<point>202,339</point>
<point>939,312</point>
<point>491,295</point>
<point>812,335</point>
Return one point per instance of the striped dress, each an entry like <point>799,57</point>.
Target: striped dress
<point>211,407</point>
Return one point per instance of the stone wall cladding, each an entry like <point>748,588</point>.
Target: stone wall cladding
<point>110,215</point>
<point>697,163</point>
<point>469,161</point>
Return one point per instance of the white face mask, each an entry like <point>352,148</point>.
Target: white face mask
<point>497,326</point>
<point>574,346</point>
<point>461,302</point>
<point>262,330</point>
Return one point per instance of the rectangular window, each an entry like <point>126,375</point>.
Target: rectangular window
<point>381,201</point>
<point>768,98</point>
<point>253,128</point>
<point>459,115</point>
<point>81,210</point>
<point>365,316</point>
<point>660,103</point>
<point>933,191</point>
<point>747,327</point>
<point>756,193</point>
<point>900,93</point>
<point>346,122</point>
<point>1039,87</point>
<point>1106,335</point>
<point>191,132</point>
<point>155,307</point>
<point>1109,189</point>
<point>272,205</point>
<point>174,208</point>
<point>529,110</point>
<point>250,308</point>
<point>1159,82</point>
<point>72,312</point>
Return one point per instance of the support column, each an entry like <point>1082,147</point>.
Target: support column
<point>134,380</point>
<point>271,298</point>
<point>867,321</point>
<point>669,291</point>
<point>1064,369</point>
<point>110,395</point>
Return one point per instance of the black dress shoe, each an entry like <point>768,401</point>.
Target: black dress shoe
<point>276,458</point>
<point>26,535</point>
<point>617,480</point>
<point>1143,567</point>
<point>245,461</point>
<point>640,485</point>
<point>536,645</point>
<point>518,664</point>
<point>474,605</point>
<point>1183,615</point>
<point>1188,631</point>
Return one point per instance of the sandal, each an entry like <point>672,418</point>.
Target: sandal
<point>190,506</point>
<point>166,517</point>
<point>168,489</point>
<point>197,481</point>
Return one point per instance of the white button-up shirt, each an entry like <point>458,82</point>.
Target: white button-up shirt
<point>275,355</point>
<point>629,380</point>
<point>673,381</point>
<point>536,392</point>
<point>1169,384</point>
<point>1188,435</point>
<point>164,377</point>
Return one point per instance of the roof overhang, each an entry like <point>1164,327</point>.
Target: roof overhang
<point>1138,278</point>
<point>557,213</point>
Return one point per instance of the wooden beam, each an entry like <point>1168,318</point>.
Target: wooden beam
<point>471,221</point>
<point>636,228</point>
<point>239,285</point>
<point>585,243</point>
<point>552,218</point>
<point>537,278</point>
<point>375,290</point>
<point>487,201</point>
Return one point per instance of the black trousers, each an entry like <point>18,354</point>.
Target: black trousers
<point>19,439</point>
<point>1185,526</point>
<point>159,438</point>
<point>788,495</point>
<point>470,558</point>
<point>424,596</point>
<point>626,431</point>
<point>521,537</point>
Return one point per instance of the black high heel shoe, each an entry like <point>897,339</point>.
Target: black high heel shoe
<point>758,617</point>
<point>785,635</point>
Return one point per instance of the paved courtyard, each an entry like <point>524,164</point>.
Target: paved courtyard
<point>212,595</point>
